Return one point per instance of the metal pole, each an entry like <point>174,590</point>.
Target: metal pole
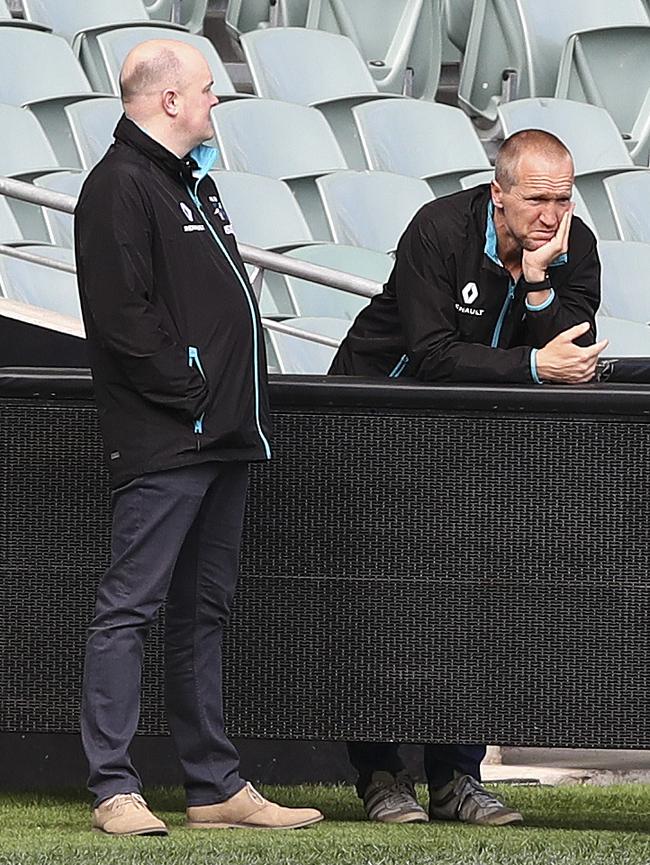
<point>17,252</point>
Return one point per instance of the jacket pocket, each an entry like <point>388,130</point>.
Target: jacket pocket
<point>194,360</point>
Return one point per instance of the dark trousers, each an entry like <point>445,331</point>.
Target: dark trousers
<point>440,761</point>
<point>176,535</point>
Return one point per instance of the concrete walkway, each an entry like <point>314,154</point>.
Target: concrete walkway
<point>559,766</point>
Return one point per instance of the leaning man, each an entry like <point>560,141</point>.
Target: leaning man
<point>494,284</point>
<point>179,370</point>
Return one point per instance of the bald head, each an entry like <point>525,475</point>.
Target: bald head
<point>154,66</point>
<point>532,144</point>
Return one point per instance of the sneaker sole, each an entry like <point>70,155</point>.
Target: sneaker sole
<point>206,825</point>
<point>409,817</point>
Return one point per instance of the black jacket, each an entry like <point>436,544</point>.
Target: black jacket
<point>174,333</point>
<point>449,311</point>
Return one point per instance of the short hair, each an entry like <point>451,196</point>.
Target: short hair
<point>513,148</point>
<point>158,70</point>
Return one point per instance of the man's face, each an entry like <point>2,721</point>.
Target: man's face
<point>533,208</point>
<point>196,100</point>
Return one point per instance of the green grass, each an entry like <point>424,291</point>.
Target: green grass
<point>564,826</point>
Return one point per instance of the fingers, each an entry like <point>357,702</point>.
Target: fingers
<point>573,332</point>
<point>565,228</point>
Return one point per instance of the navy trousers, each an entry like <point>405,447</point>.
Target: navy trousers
<point>175,535</point>
<point>440,761</point>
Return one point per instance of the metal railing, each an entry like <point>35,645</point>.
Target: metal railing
<point>261,259</point>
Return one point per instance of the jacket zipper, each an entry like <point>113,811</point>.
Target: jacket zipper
<point>193,359</point>
<point>504,310</point>
<point>251,309</point>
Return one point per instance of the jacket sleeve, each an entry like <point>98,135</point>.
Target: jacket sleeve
<point>573,301</point>
<point>113,241</point>
<point>425,297</point>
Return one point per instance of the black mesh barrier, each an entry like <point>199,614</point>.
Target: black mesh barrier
<point>421,570</point>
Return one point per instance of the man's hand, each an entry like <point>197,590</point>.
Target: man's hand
<point>562,361</point>
<point>535,263</point>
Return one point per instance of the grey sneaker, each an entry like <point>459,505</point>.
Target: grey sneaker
<point>391,799</point>
<point>466,800</point>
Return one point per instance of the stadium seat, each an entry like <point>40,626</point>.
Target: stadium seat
<point>528,37</point>
<point>92,123</point>
<point>60,224</point>
<point>371,208</point>
<point>39,285</point>
<point>593,139</point>
<point>245,15</point>
<point>281,140</point>
<point>192,12</point>
<point>10,231</point>
<point>102,57</point>
<point>7,20</point>
<point>458,14</point>
<point>291,354</point>
<point>434,142</point>
<point>626,338</point>
<point>610,68</point>
<point>313,299</point>
<point>629,198</point>
<point>313,68</point>
<point>625,280</point>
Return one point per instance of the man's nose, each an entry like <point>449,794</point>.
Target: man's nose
<point>549,214</point>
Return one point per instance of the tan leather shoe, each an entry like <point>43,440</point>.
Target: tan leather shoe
<point>248,809</point>
<point>126,814</point>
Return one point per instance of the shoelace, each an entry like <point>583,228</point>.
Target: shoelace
<point>401,793</point>
<point>479,794</point>
<point>121,800</point>
<point>255,796</point>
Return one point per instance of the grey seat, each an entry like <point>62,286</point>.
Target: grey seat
<point>7,20</point>
<point>629,198</point>
<point>610,68</point>
<point>92,123</point>
<point>10,231</point>
<point>192,12</point>
<point>313,68</point>
<point>39,285</point>
<point>626,338</point>
<point>591,136</point>
<point>102,57</point>
<point>528,37</point>
<point>245,15</point>
<point>59,224</point>
<point>434,142</point>
<point>292,354</point>
<point>281,140</point>
<point>625,279</point>
<point>458,14</point>
<point>371,208</point>
<point>313,299</point>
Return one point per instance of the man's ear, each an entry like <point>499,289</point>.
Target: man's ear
<point>497,195</point>
<point>169,100</point>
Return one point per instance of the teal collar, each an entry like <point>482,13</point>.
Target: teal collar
<point>490,248</point>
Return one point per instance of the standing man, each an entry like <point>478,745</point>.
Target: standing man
<point>179,370</point>
<point>495,284</point>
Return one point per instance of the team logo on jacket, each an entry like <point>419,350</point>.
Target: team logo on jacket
<point>470,293</point>
<point>187,212</point>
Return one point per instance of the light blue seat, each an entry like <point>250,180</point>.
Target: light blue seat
<point>313,68</point>
<point>59,224</point>
<point>434,142</point>
<point>192,12</point>
<point>371,208</point>
<point>41,286</point>
<point>281,140</point>
<point>528,37</point>
<point>626,338</point>
<point>625,279</point>
<point>92,123</point>
<point>629,198</point>
<point>313,299</point>
<point>593,139</point>
<point>297,356</point>
<point>610,68</point>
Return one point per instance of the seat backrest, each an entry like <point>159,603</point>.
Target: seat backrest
<point>371,208</point>
<point>629,197</point>
<point>245,15</point>
<point>39,285</point>
<point>69,17</point>
<point>301,357</point>
<point>59,224</point>
<point>625,279</point>
<point>626,338</point>
<point>589,132</point>
<point>275,139</point>
<point>24,146</point>
<point>439,138</point>
<point>92,122</point>
<point>305,66</point>
<point>5,12</point>
<point>262,210</point>
<point>528,36</point>
<point>314,299</point>
<point>9,228</point>
<point>36,65</point>
<point>458,14</point>
<point>114,45</point>
<point>192,12</point>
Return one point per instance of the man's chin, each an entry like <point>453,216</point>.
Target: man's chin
<point>531,244</point>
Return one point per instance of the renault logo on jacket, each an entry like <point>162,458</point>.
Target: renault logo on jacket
<point>470,293</point>
<point>187,212</point>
